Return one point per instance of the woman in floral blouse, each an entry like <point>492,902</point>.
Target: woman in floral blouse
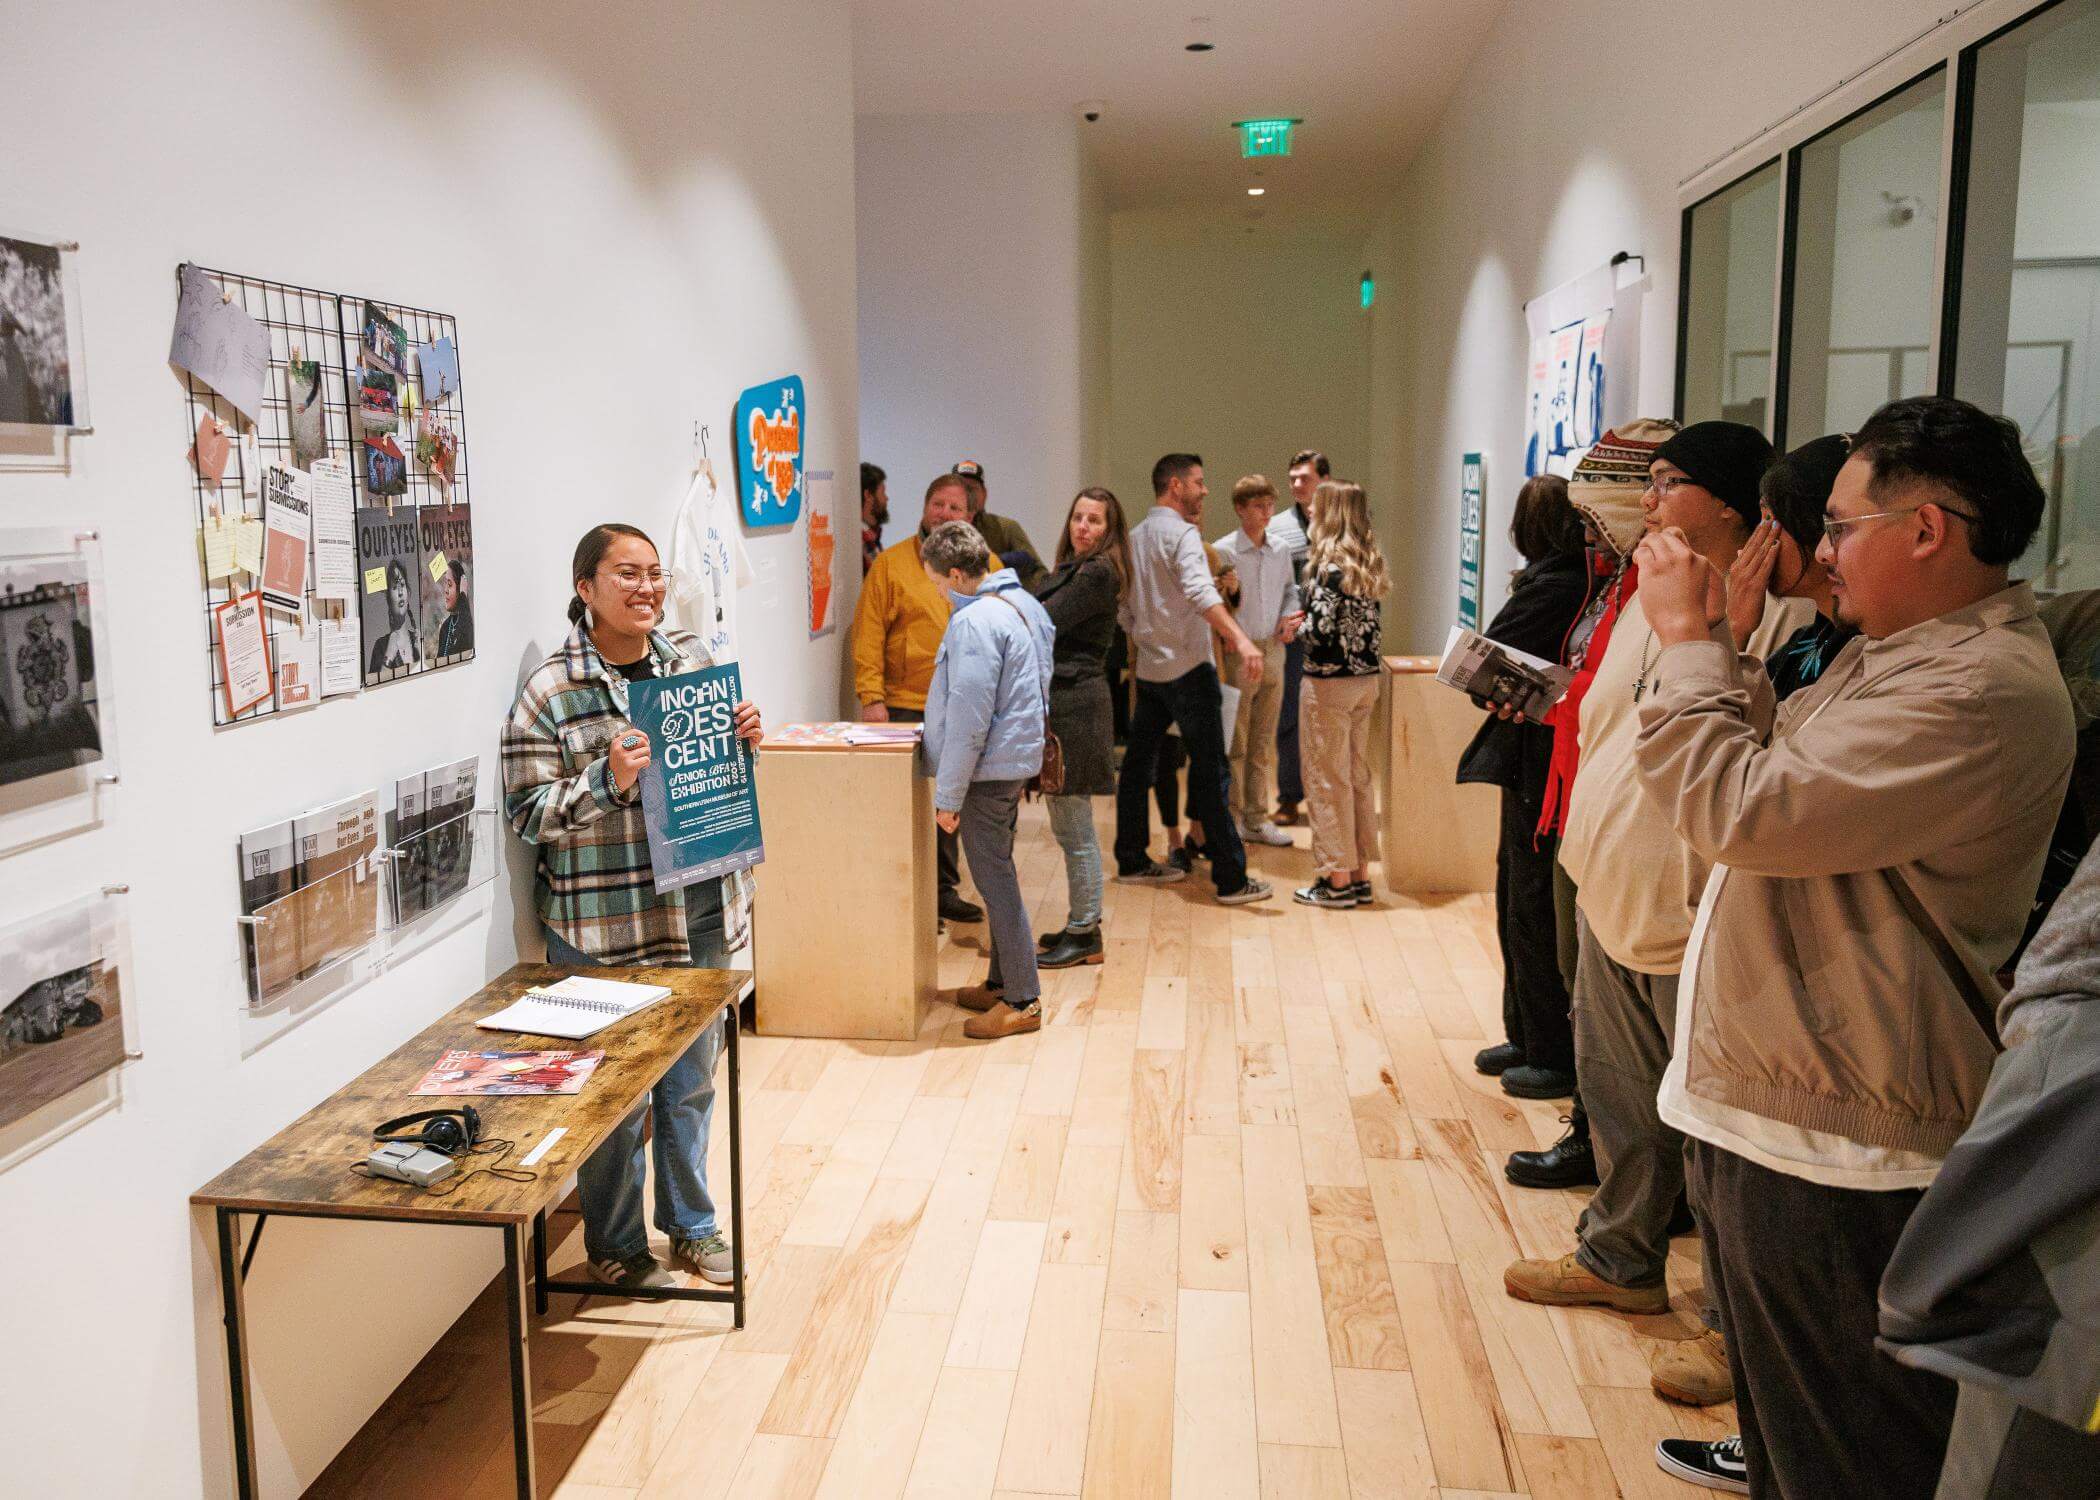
<point>1345,577</point>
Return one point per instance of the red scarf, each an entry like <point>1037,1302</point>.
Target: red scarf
<point>1566,715</point>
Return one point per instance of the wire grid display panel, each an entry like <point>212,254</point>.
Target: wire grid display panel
<point>325,327</point>
<point>442,635</point>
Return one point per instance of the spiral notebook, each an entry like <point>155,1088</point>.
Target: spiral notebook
<point>574,1007</point>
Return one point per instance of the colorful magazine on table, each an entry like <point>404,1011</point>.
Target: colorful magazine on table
<point>493,1074</point>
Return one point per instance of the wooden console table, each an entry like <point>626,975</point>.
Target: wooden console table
<point>1439,836</point>
<point>304,1170</point>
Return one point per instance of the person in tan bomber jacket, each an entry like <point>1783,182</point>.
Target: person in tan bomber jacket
<point>1875,850</point>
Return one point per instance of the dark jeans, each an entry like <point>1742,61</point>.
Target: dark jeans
<point>1534,997</point>
<point>989,811</point>
<point>1190,702</point>
<point>1166,783</point>
<point>1290,776</point>
<point>946,863</point>
<point>1795,1268</point>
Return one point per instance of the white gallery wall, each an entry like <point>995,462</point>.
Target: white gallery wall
<point>983,309</point>
<point>1563,145</point>
<point>634,212</point>
<point>1239,340</point>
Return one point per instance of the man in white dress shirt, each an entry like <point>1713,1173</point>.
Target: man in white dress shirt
<point>1267,609</point>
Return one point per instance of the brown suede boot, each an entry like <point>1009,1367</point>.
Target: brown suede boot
<point>1565,1283</point>
<point>979,997</point>
<point>1003,1020</point>
<point>1693,1371</point>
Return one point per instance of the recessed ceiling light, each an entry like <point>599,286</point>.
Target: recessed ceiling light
<point>1256,192</point>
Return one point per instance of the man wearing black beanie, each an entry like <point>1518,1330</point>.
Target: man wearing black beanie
<point>1637,884</point>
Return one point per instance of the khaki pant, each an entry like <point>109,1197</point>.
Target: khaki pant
<point>1334,742</point>
<point>1254,734</point>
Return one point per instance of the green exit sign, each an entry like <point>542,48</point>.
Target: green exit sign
<point>1265,137</point>
<point>1366,291</point>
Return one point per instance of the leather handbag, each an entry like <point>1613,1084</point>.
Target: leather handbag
<point>1050,780</point>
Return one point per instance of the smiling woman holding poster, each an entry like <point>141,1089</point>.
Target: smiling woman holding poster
<point>573,764</point>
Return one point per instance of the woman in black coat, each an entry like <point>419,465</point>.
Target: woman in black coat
<point>1538,1059</point>
<point>1080,596</point>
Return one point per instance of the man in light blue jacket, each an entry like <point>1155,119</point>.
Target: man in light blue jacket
<point>984,739</point>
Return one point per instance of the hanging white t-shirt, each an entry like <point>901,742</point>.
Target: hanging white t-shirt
<point>708,559</point>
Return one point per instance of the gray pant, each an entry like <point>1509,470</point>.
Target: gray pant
<point>2000,1450</point>
<point>1623,1024</point>
<point>989,811</point>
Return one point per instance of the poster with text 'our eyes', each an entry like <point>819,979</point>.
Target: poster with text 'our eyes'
<point>772,436</point>
<point>699,801</point>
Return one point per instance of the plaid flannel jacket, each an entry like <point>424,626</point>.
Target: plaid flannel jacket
<point>594,884</point>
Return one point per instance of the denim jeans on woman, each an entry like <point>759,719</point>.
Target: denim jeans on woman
<point>1072,821</point>
<point>609,1182</point>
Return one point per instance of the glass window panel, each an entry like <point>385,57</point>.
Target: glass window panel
<point>2028,338</point>
<point>1866,235</point>
<point>1732,266</point>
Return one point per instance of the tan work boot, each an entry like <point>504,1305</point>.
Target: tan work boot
<point>1693,1371</point>
<point>1003,1020</point>
<point>1565,1283</point>
<point>979,997</point>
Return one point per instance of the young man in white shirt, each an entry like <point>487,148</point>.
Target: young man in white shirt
<point>1267,609</point>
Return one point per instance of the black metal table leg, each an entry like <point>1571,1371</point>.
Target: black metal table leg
<point>736,1170</point>
<point>520,1356</point>
<point>539,1263</point>
<point>230,1290</point>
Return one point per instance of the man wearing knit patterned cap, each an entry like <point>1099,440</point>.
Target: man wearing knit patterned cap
<point>1637,885</point>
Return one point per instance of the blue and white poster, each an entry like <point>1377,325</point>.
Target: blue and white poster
<point>771,439</point>
<point>699,801</point>
<point>1584,366</point>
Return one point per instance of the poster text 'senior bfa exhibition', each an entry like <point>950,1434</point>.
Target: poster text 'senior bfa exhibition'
<point>698,798</point>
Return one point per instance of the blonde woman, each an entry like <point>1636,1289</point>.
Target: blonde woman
<point>1345,577</point>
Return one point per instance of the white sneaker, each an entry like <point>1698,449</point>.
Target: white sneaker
<point>1268,833</point>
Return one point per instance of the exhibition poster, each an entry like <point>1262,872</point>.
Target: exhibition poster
<point>699,801</point>
<point>771,438</point>
<point>448,559</point>
<point>823,546</point>
<point>244,653</point>
<point>1584,367</point>
<point>1472,497</point>
<point>287,537</point>
<point>389,562</point>
<point>335,530</point>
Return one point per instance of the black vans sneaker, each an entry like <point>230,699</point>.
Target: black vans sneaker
<point>1716,1466</point>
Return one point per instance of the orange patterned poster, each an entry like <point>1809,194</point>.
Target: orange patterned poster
<point>823,543</point>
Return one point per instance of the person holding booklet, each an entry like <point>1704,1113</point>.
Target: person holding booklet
<point>572,768</point>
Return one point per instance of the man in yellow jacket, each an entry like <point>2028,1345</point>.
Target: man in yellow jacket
<point>897,629</point>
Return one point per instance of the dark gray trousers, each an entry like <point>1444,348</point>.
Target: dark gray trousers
<point>989,811</point>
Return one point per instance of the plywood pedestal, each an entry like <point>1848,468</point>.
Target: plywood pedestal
<point>1439,836</point>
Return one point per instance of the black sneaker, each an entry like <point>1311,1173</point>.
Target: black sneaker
<point>1527,1082</point>
<point>1320,893</point>
<point>1154,874</point>
<point>1716,1466</point>
<point>1364,896</point>
<point>1568,1162</point>
<point>1498,1059</point>
<point>1194,850</point>
<point>1178,859</point>
<point>955,909</point>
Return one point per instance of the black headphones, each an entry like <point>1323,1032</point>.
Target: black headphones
<point>452,1131</point>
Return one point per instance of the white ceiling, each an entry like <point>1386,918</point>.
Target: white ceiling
<point>1368,77</point>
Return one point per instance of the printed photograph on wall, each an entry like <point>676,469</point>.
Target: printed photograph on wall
<point>61,1004</point>
<point>385,340</point>
<point>389,562</point>
<point>447,583</point>
<point>50,718</point>
<point>38,377</point>
<point>386,468</point>
<point>309,413</point>
<point>771,438</point>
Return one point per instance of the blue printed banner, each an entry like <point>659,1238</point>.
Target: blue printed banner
<point>771,439</point>
<point>699,801</point>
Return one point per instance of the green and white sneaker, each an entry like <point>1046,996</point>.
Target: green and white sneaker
<point>708,1258</point>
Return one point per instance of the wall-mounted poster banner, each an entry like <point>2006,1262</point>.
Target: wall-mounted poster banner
<point>699,802</point>
<point>1585,338</point>
<point>1472,502</point>
<point>823,547</point>
<point>771,438</point>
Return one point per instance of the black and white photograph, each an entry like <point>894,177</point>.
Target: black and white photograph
<point>61,1004</point>
<point>389,563</point>
<point>309,412</point>
<point>405,825</point>
<point>36,368</point>
<point>448,805</point>
<point>50,717</point>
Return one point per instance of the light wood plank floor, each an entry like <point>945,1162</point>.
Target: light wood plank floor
<point>1232,1224</point>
